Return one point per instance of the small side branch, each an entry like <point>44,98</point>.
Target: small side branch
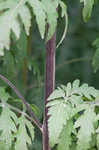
<point>17,110</point>
<point>36,121</point>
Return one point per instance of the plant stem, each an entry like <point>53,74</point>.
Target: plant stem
<point>49,84</point>
<point>36,121</point>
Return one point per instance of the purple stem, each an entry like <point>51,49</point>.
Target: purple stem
<point>49,84</point>
<point>36,121</point>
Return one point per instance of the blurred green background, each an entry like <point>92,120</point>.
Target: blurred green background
<point>24,64</point>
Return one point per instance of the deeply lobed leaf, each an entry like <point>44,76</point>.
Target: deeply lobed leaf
<point>22,135</point>
<point>65,138</point>
<point>86,124</point>
<point>44,11</point>
<point>7,126</point>
<point>59,114</point>
<point>68,105</point>
<point>14,132</point>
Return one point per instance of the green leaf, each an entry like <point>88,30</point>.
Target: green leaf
<point>4,96</point>
<point>25,15</point>
<point>74,92</point>
<point>30,128</point>
<point>7,126</point>
<point>3,146</point>
<point>22,135</point>
<point>52,15</point>
<point>76,100</point>
<point>59,114</point>
<point>40,15</point>
<point>88,5</point>
<point>65,139</point>
<point>9,22</point>
<point>76,84</point>
<point>35,109</point>
<point>73,146</point>
<point>63,14</point>
<point>5,32</point>
<point>84,90</point>
<point>45,12</point>
<point>6,4</point>
<point>86,125</point>
<point>55,102</point>
<point>89,91</point>
<point>67,104</point>
<point>58,93</point>
<point>97,140</point>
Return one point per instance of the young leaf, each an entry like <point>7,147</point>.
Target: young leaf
<point>40,15</point>
<point>45,12</point>
<point>9,21</point>
<point>30,128</point>
<point>68,89</point>
<point>52,15</point>
<point>25,15</point>
<point>76,100</point>
<point>59,114</point>
<point>76,84</point>
<point>88,91</point>
<point>86,125</point>
<point>84,90</point>
<point>65,139</point>
<point>7,126</point>
<point>74,92</point>
<point>22,137</point>
<point>63,14</point>
<point>58,93</point>
<point>65,104</point>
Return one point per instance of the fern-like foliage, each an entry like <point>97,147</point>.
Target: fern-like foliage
<point>11,12</point>
<point>7,126</point>
<point>65,139</point>
<point>86,124</point>
<point>22,136</point>
<point>72,116</point>
<point>13,129</point>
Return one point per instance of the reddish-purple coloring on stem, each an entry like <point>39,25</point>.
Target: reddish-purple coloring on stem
<point>49,84</point>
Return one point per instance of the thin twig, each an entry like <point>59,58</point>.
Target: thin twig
<point>36,121</point>
<point>18,111</point>
<point>72,61</point>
